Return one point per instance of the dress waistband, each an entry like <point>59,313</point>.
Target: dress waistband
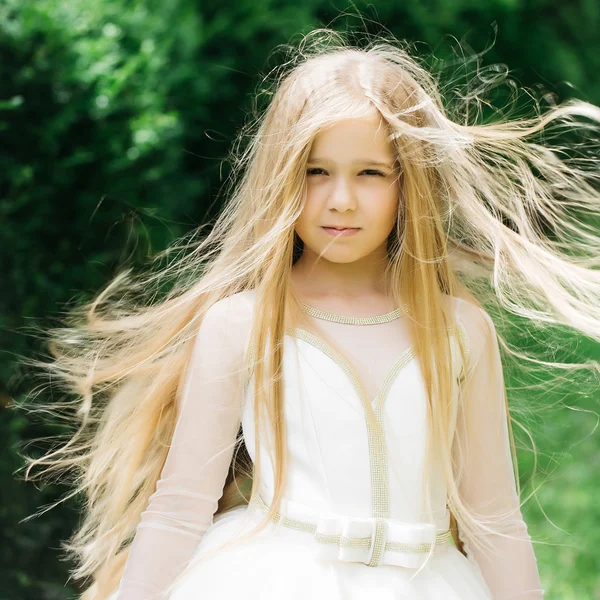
<point>373,541</point>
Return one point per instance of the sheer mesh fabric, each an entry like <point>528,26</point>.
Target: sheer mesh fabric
<point>182,508</point>
<point>487,482</point>
<point>191,483</point>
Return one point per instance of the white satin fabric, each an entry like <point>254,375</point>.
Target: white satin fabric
<point>340,471</point>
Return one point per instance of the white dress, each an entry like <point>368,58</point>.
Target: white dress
<point>352,525</point>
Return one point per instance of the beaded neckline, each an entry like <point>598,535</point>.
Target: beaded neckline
<point>329,316</point>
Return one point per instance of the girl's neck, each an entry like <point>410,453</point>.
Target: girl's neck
<point>322,278</point>
<point>361,302</point>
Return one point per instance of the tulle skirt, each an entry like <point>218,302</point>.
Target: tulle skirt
<point>281,563</point>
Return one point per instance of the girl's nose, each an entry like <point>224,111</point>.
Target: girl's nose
<point>342,196</point>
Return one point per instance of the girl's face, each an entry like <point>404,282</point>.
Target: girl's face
<point>351,182</point>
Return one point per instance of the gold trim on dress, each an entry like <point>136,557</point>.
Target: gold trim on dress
<point>349,320</point>
<point>379,546</point>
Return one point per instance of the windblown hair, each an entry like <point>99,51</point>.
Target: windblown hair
<point>502,213</point>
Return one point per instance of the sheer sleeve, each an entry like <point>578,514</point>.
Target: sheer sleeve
<point>191,483</point>
<point>486,478</point>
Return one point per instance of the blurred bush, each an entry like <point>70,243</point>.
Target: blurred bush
<point>115,117</point>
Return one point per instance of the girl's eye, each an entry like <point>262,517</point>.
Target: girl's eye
<point>369,171</point>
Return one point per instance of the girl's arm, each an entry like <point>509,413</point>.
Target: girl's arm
<point>483,456</point>
<point>192,480</point>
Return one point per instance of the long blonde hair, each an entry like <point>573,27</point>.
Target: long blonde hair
<point>489,212</point>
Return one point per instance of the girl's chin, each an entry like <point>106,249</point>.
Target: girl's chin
<point>343,257</point>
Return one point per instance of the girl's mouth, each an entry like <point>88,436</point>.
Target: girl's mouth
<point>343,232</point>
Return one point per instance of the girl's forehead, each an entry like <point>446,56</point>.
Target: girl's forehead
<point>364,137</point>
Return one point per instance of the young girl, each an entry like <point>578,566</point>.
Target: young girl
<point>331,327</point>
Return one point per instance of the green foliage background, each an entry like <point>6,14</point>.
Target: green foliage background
<point>114,119</point>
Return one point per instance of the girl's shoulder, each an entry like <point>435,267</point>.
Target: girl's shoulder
<point>477,324</point>
<point>228,322</point>
<point>235,310</point>
<point>471,315</point>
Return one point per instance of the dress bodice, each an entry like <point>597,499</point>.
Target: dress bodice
<point>354,449</point>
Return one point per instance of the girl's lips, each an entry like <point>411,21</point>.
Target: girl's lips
<point>341,232</point>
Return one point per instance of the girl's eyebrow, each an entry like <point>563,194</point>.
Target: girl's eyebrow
<point>362,161</point>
